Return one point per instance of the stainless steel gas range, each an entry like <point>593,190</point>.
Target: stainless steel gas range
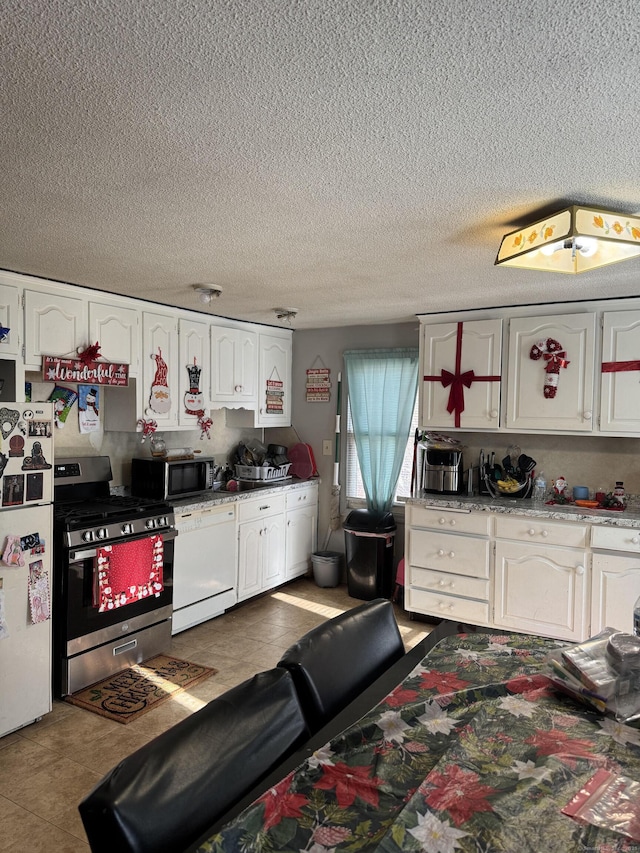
<point>112,576</point>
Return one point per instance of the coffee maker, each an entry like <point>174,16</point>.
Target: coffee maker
<point>439,471</point>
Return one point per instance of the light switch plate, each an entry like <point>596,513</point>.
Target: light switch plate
<point>327,450</point>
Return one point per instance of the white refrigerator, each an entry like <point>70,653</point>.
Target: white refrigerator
<point>26,545</point>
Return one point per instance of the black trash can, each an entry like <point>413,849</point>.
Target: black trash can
<point>369,542</point>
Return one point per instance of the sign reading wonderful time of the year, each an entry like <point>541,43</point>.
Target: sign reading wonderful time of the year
<point>56,369</point>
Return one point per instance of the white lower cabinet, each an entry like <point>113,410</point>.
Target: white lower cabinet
<point>261,545</point>
<point>301,530</point>
<point>541,583</point>
<point>616,577</point>
<point>514,572</point>
<point>447,557</point>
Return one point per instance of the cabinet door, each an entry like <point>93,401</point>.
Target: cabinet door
<point>529,379</point>
<point>10,319</point>
<point>234,365</point>
<point>274,382</point>
<point>273,543</point>
<point>620,372</point>
<point>193,394</point>
<point>301,539</point>
<point>250,557</point>
<point>160,392</point>
<point>53,325</point>
<point>615,588</point>
<point>469,354</point>
<point>117,329</point>
<point>541,590</point>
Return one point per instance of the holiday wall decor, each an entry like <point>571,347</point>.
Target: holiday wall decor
<point>160,399</point>
<point>555,358</point>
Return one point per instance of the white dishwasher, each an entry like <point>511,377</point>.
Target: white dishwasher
<point>204,565</point>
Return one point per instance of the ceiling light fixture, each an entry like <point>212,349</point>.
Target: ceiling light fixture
<point>207,292</point>
<point>287,314</point>
<point>573,240</point>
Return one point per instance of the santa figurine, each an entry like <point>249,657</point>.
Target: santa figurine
<point>560,487</point>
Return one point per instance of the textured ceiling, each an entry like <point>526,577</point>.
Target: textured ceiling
<point>357,160</point>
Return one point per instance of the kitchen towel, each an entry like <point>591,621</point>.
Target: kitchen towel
<point>128,571</point>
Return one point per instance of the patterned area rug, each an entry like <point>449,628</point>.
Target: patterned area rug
<point>135,691</point>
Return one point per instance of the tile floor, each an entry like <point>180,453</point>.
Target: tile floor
<point>46,768</point>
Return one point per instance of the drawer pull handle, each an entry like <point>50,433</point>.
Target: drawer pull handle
<point>440,583</point>
<point>544,534</point>
<point>440,553</point>
<point>452,553</point>
<point>452,522</point>
<point>493,414</point>
<point>635,540</point>
<point>444,606</point>
<point>532,532</point>
<point>442,521</point>
<point>579,570</point>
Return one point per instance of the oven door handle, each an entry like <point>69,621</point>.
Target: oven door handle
<point>90,553</point>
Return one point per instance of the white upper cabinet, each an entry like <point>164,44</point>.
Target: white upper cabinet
<point>274,381</point>
<point>234,367</point>
<point>193,371</point>
<point>160,383</point>
<point>54,324</point>
<point>117,329</point>
<point>620,372</point>
<point>10,319</point>
<point>551,373</point>
<point>460,375</point>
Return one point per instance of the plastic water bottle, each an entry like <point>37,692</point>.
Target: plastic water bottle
<point>636,618</point>
<point>539,489</point>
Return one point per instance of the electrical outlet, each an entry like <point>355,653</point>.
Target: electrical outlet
<point>326,447</point>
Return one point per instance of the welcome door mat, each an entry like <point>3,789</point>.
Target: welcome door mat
<point>135,691</point>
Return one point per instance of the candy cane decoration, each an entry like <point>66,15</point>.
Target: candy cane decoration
<point>555,357</point>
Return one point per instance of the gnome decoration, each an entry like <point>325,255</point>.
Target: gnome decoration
<point>160,401</point>
<point>193,399</point>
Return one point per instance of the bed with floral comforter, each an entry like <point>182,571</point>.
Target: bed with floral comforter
<point>474,752</point>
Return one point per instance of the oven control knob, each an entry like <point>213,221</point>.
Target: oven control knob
<point>150,523</point>
<point>101,533</point>
<point>162,521</point>
<point>127,528</point>
<point>88,535</point>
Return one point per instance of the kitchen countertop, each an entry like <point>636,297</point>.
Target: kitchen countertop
<point>629,517</point>
<point>219,498</point>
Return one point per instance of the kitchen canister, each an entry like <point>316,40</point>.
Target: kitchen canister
<point>581,493</point>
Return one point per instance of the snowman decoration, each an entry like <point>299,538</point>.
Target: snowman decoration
<point>160,400</point>
<point>193,399</point>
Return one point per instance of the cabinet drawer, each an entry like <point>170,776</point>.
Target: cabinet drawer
<point>446,606</point>
<point>615,538</point>
<point>269,505</point>
<point>477,523</point>
<point>449,584</point>
<point>462,555</point>
<point>541,531</point>
<point>301,497</point>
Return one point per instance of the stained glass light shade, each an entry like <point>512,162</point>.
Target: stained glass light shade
<point>573,240</point>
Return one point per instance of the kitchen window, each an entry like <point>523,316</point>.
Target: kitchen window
<point>354,490</point>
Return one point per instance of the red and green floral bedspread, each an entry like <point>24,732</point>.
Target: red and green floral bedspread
<point>473,752</point>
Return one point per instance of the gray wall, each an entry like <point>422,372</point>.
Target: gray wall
<point>315,422</point>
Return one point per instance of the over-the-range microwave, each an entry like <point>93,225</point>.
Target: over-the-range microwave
<point>164,479</point>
